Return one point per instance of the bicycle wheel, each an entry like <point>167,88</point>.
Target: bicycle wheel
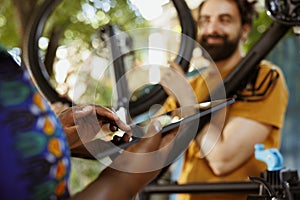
<point>42,78</point>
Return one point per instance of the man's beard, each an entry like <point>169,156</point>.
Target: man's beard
<point>222,51</point>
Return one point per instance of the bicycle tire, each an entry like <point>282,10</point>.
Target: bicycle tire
<point>41,78</point>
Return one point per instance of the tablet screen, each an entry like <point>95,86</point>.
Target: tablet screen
<point>174,119</point>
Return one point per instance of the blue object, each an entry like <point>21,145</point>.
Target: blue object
<point>34,153</point>
<point>272,157</point>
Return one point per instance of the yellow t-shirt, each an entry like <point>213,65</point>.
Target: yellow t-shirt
<point>270,110</point>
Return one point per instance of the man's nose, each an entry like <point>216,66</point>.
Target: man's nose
<point>213,27</point>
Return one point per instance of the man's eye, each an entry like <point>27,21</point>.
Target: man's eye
<point>203,21</point>
<point>225,20</point>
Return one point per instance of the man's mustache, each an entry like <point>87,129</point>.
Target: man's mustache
<point>214,36</point>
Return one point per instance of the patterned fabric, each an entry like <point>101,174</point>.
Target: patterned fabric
<point>34,153</point>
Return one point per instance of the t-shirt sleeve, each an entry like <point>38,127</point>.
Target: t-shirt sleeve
<point>271,107</point>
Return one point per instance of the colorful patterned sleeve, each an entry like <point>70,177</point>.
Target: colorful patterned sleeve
<point>34,153</point>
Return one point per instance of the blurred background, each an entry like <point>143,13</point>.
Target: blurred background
<point>73,41</point>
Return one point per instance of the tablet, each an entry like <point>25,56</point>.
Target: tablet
<point>204,108</point>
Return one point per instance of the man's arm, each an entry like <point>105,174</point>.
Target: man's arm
<point>228,148</point>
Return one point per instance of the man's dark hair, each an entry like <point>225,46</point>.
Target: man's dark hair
<point>246,9</point>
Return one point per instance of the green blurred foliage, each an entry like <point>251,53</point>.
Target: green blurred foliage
<point>69,15</point>
<point>8,32</point>
<point>121,12</point>
<point>260,25</point>
<point>83,172</point>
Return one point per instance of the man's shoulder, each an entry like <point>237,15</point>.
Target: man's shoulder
<point>268,65</point>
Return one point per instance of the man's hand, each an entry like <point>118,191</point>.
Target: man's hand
<point>175,72</point>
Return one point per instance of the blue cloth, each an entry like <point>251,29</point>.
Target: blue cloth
<point>34,153</point>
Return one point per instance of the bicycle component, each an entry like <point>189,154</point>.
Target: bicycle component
<point>156,95</point>
<point>118,65</point>
<point>271,177</point>
<point>284,11</point>
<point>271,195</point>
<point>31,53</point>
<point>272,157</point>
